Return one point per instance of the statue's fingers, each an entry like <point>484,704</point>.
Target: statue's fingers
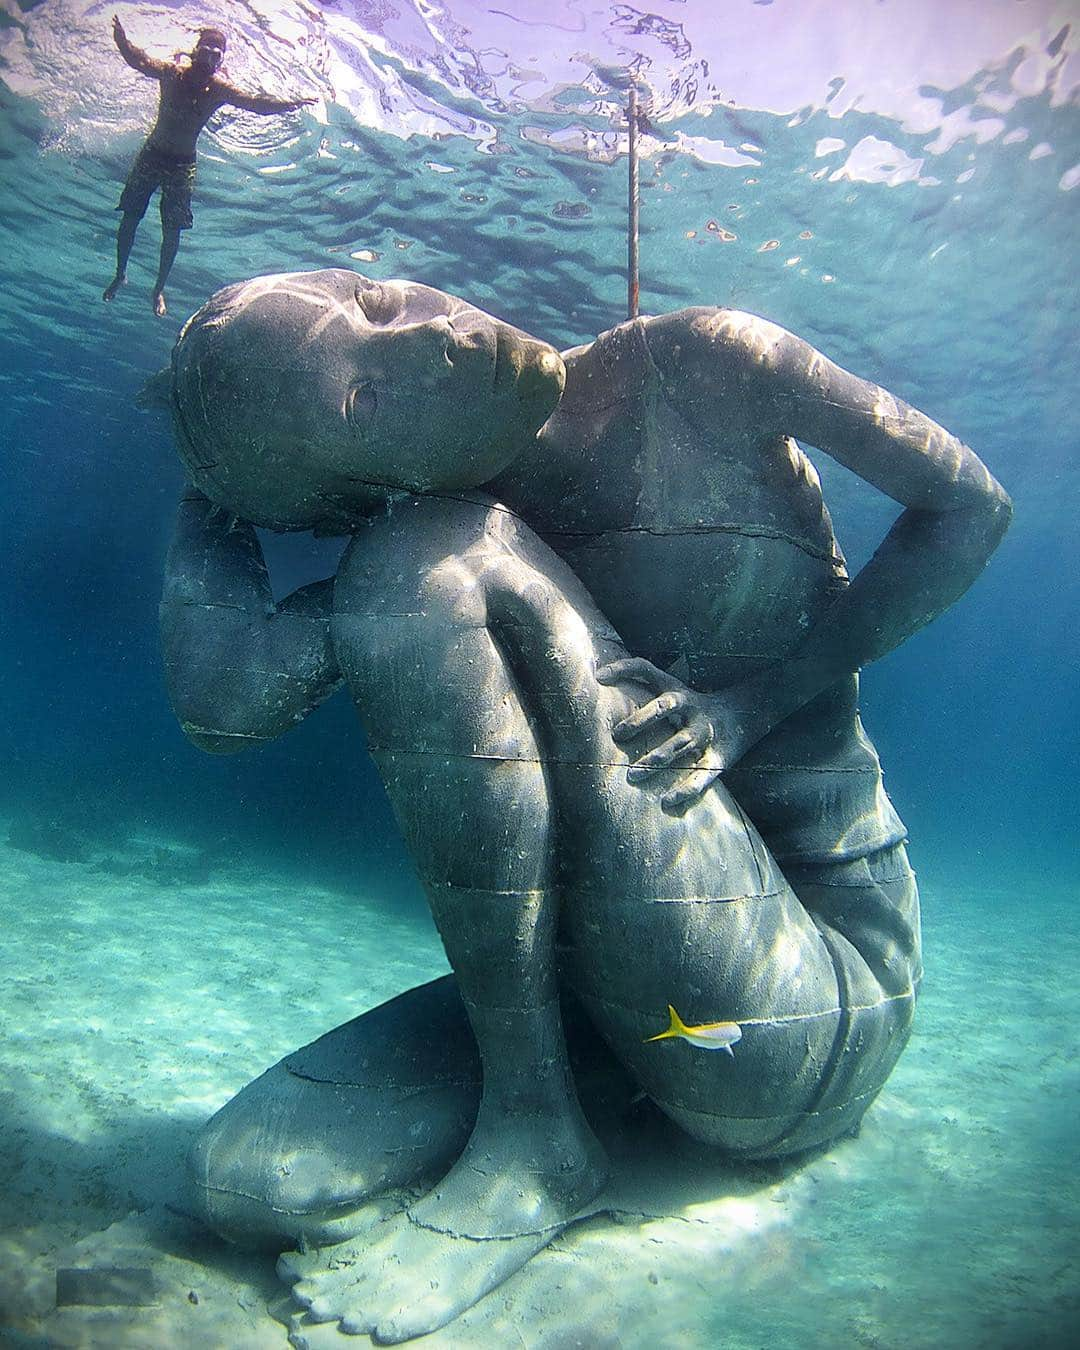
<point>664,756</point>
<point>667,708</point>
<point>692,784</point>
<point>634,670</point>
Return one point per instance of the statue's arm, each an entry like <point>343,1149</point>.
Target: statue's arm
<point>239,669</point>
<point>955,512</point>
<point>954,516</point>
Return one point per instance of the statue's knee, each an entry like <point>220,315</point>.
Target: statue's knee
<point>234,1186</point>
<point>301,1153</point>
<point>270,1167</point>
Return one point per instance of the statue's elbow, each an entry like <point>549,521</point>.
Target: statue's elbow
<point>999,514</point>
<point>209,717</point>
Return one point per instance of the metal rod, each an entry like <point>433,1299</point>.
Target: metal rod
<point>632,209</point>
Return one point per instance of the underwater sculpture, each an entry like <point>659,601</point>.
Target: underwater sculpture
<point>600,635</point>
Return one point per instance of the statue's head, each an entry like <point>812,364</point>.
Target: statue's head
<point>302,400</point>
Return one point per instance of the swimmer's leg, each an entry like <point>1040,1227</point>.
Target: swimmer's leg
<point>170,243</point>
<point>125,238</point>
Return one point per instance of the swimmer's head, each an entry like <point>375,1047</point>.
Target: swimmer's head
<point>209,49</point>
<point>304,400</point>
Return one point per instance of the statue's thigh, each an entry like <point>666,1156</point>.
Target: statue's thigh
<point>867,910</point>
<point>444,718</point>
<point>373,1106</point>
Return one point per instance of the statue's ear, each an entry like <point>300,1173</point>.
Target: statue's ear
<point>156,393</point>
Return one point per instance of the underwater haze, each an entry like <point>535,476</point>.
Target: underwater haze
<point>897,181</point>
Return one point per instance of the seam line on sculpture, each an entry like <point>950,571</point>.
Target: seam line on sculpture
<point>683,531</point>
<point>190,728</point>
<point>860,885</point>
<point>722,527</point>
<point>703,899</point>
<point>264,673</point>
<point>801,1117</point>
<point>261,1199</point>
<point>413,1089</point>
<point>492,1237</point>
<point>263,614</point>
<point>220,604</point>
<point>603,764</point>
<point>523,759</point>
<point>909,993</point>
<point>753,769</point>
<point>541,892</point>
<point>525,891</point>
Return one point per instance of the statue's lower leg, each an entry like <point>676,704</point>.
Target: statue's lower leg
<point>363,1119</point>
<point>691,910</point>
<point>469,788</point>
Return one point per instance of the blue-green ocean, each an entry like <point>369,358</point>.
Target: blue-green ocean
<point>898,181</point>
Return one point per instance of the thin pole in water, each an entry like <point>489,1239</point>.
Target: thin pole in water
<point>632,208</point>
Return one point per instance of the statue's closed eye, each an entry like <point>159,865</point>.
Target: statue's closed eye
<point>360,404</point>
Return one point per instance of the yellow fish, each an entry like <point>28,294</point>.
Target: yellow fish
<point>707,1036</point>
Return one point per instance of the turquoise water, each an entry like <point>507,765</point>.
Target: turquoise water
<point>898,183</point>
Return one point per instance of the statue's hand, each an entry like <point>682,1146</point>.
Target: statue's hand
<point>710,732</point>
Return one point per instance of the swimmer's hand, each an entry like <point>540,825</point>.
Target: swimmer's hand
<point>710,732</point>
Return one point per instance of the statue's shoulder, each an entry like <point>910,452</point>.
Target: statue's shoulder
<point>710,343</point>
<point>683,349</point>
<point>712,331</point>
<point>705,331</point>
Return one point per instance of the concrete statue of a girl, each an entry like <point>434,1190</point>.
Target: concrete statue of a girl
<point>603,644</point>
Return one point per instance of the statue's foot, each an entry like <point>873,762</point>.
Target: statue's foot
<point>109,293</point>
<point>424,1267</point>
<point>159,304</point>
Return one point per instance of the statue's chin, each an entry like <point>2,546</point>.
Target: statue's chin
<point>334,510</point>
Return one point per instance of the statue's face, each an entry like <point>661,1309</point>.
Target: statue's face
<point>303,399</point>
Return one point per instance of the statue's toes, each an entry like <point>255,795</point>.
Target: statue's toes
<point>293,1266</point>
<point>358,1323</point>
<point>320,1304</point>
<point>409,1322</point>
<point>436,1286</point>
<point>324,1308</point>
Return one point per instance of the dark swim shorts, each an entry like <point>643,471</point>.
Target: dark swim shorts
<point>154,169</point>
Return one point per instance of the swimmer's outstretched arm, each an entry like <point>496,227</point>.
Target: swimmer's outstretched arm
<point>239,669</point>
<point>259,103</point>
<point>136,58</point>
<point>955,514</point>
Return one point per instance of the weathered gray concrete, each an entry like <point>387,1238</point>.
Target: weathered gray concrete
<point>579,590</point>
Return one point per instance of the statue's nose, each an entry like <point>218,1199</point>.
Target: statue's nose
<point>456,339</point>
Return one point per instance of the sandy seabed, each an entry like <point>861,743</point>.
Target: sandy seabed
<point>134,1003</point>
